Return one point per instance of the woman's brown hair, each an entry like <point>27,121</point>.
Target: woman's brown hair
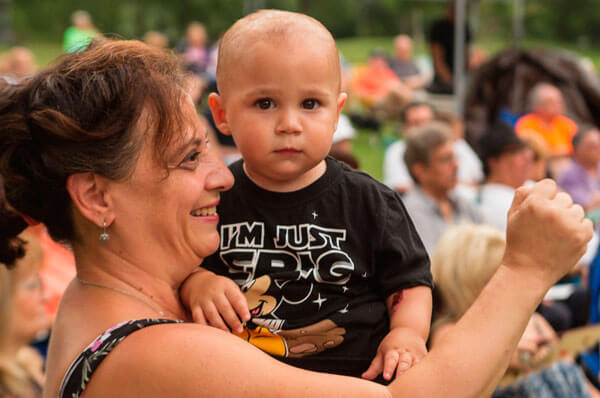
<point>78,116</point>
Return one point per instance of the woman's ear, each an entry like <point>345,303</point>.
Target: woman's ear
<point>88,192</point>
<point>217,107</point>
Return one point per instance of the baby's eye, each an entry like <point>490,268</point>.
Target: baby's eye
<point>265,103</point>
<point>310,103</point>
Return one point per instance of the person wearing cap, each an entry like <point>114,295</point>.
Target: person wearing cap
<point>432,204</point>
<point>507,163</point>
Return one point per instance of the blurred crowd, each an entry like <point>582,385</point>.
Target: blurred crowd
<point>456,190</point>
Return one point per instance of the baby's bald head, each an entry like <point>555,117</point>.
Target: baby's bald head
<point>279,28</point>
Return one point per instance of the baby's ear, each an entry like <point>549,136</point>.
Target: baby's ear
<point>217,107</point>
<point>340,102</point>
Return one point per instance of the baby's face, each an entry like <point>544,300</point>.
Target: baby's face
<point>282,102</point>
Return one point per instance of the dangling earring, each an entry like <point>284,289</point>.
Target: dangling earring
<point>104,236</point>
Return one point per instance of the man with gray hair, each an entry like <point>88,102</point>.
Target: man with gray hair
<point>431,204</point>
<point>547,119</point>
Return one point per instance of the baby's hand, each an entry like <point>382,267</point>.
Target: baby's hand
<point>215,300</point>
<point>398,351</point>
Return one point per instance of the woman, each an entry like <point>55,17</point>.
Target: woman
<point>107,151</point>
<point>22,316</point>
<point>465,259</point>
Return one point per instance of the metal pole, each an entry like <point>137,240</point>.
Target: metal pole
<point>459,55</point>
<point>7,35</point>
<point>518,25</point>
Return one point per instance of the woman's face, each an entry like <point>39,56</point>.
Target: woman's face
<point>172,213</point>
<point>29,311</point>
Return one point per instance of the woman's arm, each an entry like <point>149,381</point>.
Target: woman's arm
<point>546,236</point>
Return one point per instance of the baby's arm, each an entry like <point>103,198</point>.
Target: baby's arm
<point>404,345</point>
<point>214,300</point>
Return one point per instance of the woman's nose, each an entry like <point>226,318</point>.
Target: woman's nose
<point>219,178</point>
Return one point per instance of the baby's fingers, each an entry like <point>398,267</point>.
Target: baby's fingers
<point>375,368</point>
<point>198,315</point>
<point>390,363</point>
<point>213,317</point>
<point>404,360</point>
<point>229,315</point>
<point>239,303</point>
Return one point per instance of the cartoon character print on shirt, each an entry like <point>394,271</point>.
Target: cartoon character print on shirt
<point>306,271</point>
<point>298,342</point>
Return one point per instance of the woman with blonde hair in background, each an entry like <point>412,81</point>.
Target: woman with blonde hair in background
<point>22,316</point>
<point>465,259</point>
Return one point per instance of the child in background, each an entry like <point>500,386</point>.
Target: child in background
<point>330,274</point>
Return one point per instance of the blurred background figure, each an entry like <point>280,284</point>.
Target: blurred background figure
<point>403,65</point>
<point>17,63</point>
<point>548,120</point>
<point>156,39</point>
<point>465,259</point>
<point>395,172</point>
<point>581,179</point>
<point>379,89</point>
<point>441,43</point>
<point>541,155</point>
<point>193,49</point>
<point>507,163</point>
<point>80,33</point>
<point>23,317</point>
<point>432,203</point>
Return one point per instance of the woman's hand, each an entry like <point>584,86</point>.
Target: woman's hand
<point>546,235</point>
<point>215,300</point>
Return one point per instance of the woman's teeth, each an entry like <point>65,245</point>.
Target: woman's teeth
<point>206,211</point>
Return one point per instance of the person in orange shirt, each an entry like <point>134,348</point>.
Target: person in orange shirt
<point>378,87</point>
<point>547,119</point>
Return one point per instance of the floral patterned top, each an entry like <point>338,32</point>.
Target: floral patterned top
<point>81,370</point>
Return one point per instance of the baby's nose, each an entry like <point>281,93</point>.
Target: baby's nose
<point>289,122</point>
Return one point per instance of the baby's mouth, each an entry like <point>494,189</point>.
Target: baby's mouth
<point>205,211</point>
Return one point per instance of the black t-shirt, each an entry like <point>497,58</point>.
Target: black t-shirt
<point>442,33</point>
<point>317,264</point>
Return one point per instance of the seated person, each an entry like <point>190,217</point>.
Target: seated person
<point>431,203</point>
<point>378,87</point>
<point>507,163</point>
<point>23,316</point>
<point>156,39</point>
<point>17,64</point>
<point>78,36</point>
<point>395,173</point>
<point>548,120</point>
<point>403,65</point>
<point>541,156</point>
<point>581,179</point>
<point>465,259</point>
<point>192,49</point>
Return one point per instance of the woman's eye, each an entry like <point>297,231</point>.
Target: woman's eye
<point>189,159</point>
<point>265,103</point>
<point>310,104</point>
